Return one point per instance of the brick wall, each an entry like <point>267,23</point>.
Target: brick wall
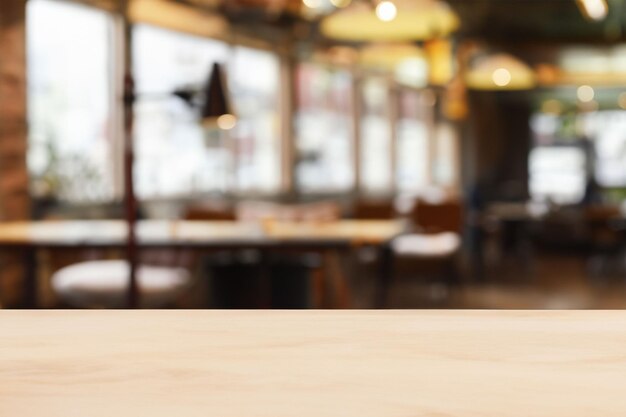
<point>14,196</point>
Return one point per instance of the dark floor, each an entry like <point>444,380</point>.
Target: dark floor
<point>545,280</point>
<point>551,281</point>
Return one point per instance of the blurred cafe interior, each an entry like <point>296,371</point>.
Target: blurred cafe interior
<point>313,154</point>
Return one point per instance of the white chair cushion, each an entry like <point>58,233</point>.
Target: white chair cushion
<point>426,245</point>
<point>104,284</point>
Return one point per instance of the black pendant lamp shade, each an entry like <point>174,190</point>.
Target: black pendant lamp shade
<point>216,111</point>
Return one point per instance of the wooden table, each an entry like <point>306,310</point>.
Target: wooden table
<point>157,233</point>
<point>29,237</point>
<point>312,364</point>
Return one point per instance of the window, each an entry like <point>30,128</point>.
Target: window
<point>445,161</point>
<point>557,173</point>
<point>375,129</point>
<point>323,126</point>
<point>609,135</point>
<point>75,144</point>
<point>412,151</point>
<point>596,146</point>
<point>175,155</point>
<point>256,99</point>
<point>557,163</point>
<point>69,93</point>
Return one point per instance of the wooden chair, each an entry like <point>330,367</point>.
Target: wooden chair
<point>433,243</point>
<point>208,211</point>
<point>374,210</point>
<point>437,217</point>
<point>605,240</point>
<point>369,209</point>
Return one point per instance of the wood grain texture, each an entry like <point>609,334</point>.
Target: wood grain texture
<point>156,232</point>
<point>312,363</point>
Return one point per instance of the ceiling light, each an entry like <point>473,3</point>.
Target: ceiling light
<point>501,77</point>
<point>388,55</point>
<point>226,121</point>
<point>386,11</point>
<point>340,3</point>
<point>593,9</point>
<point>441,61</point>
<point>312,4</point>
<point>216,109</point>
<point>499,72</point>
<point>585,93</point>
<point>414,21</point>
<point>407,61</point>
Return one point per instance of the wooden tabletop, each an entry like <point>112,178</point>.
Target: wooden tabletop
<point>312,363</point>
<point>197,233</point>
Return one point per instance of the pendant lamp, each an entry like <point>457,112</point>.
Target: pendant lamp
<point>216,110</point>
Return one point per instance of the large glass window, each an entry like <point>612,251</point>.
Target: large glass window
<point>175,155</point>
<point>375,128</point>
<point>557,163</point>
<point>256,99</point>
<point>557,173</point>
<point>69,101</point>
<point>609,134</point>
<point>571,146</point>
<point>412,149</point>
<point>323,126</point>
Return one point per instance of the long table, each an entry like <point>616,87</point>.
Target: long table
<point>169,233</point>
<point>31,237</point>
<point>312,363</point>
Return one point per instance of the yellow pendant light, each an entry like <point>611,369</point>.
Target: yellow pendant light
<point>595,10</point>
<point>388,56</point>
<point>499,72</point>
<point>440,55</point>
<point>406,61</point>
<point>406,21</point>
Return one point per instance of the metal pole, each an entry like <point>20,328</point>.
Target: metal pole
<point>130,201</point>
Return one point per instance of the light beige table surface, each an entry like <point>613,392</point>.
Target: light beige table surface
<point>312,363</point>
<point>76,232</point>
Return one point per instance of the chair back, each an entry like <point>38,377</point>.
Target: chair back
<point>209,212</point>
<point>437,217</point>
<point>374,210</point>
